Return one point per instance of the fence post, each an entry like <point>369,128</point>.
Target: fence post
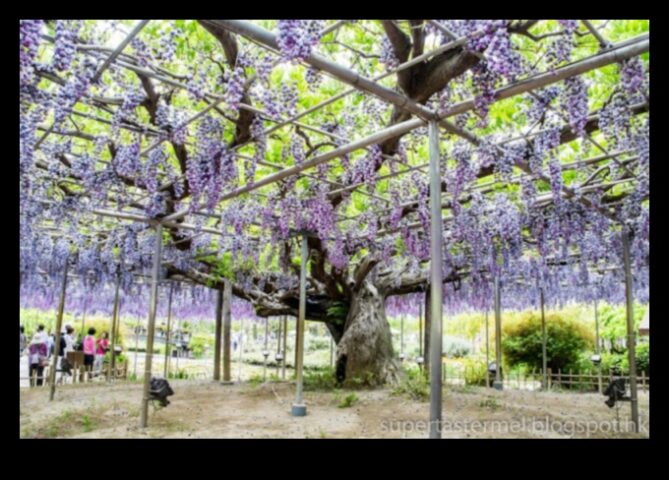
<point>559,378</point>
<point>643,380</point>
<point>550,378</point>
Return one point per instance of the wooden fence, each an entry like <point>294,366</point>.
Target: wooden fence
<point>566,380</point>
<point>79,375</point>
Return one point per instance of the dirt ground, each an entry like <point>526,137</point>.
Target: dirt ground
<point>203,409</point>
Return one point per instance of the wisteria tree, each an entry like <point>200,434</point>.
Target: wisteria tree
<point>544,147</point>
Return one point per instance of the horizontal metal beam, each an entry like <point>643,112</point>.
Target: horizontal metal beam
<point>630,48</point>
<point>339,72</point>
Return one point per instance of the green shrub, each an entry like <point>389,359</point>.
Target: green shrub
<point>613,323</point>
<point>475,372</point>
<point>621,360</point>
<point>566,340</point>
<point>255,379</point>
<point>414,384</point>
<point>119,358</point>
<point>180,374</point>
<point>319,379</point>
<point>102,325</point>
<point>348,401</point>
<point>643,358</point>
<point>31,318</point>
<point>199,343</point>
<point>612,360</point>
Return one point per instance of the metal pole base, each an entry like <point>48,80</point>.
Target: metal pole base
<point>298,410</point>
<point>498,385</point>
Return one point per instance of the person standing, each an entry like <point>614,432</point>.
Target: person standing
<point>69,339</point>
<point>38,356</point>
<point>66,346</point>
<point>89,349</point>
<point>22,340</point>
<point>103,346</point>
<point>51,340</point>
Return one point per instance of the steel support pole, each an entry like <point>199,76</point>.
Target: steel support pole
<point>498,384</point>
<point>631,337</point>
<point>217,335</point>
<point>157,254</point>
<point>227,325</point>
<point>544,361</point>
<point>597,349</point>
<point>285,340</point>
<point>167,335</point>
<point>241,340</point>
<point>59,325</point>
<point>420,329</point>
<point>278,346</point>
<point>134,366</point>
<point>402,334</point>
<point>487,350</point>
<point>113,330</point>
<point>427,332</point>
<point>265,352</point>
<point>436,279</point>
<point>179,351</point>
<point>299,409</point>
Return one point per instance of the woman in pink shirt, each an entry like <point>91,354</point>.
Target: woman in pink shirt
<point>103,346</point>
<point>89,349</point>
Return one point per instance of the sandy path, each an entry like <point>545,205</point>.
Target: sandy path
<point>202,409</point>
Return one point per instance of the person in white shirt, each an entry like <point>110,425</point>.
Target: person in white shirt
<point>50,341</point>
<point>69,346</point>
<point>37,355</point>
<point>69,339</point>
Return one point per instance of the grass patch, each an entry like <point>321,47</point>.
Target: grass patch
<point>255,380</point>
<point>467,389</point>
<point>67,423</point>
<point>84,420</point>
<point>366,380</point>
<point>319,379</point>
<point>490,403</point>
<point>87,424</point>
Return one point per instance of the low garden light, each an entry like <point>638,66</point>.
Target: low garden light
<point>596,359</point>
<point>492,372</point>
<point>616,392</point>
<point>402,356</point>
<point>159,391</point>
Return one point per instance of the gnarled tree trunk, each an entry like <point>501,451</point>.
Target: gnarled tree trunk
<point>365,350</point>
